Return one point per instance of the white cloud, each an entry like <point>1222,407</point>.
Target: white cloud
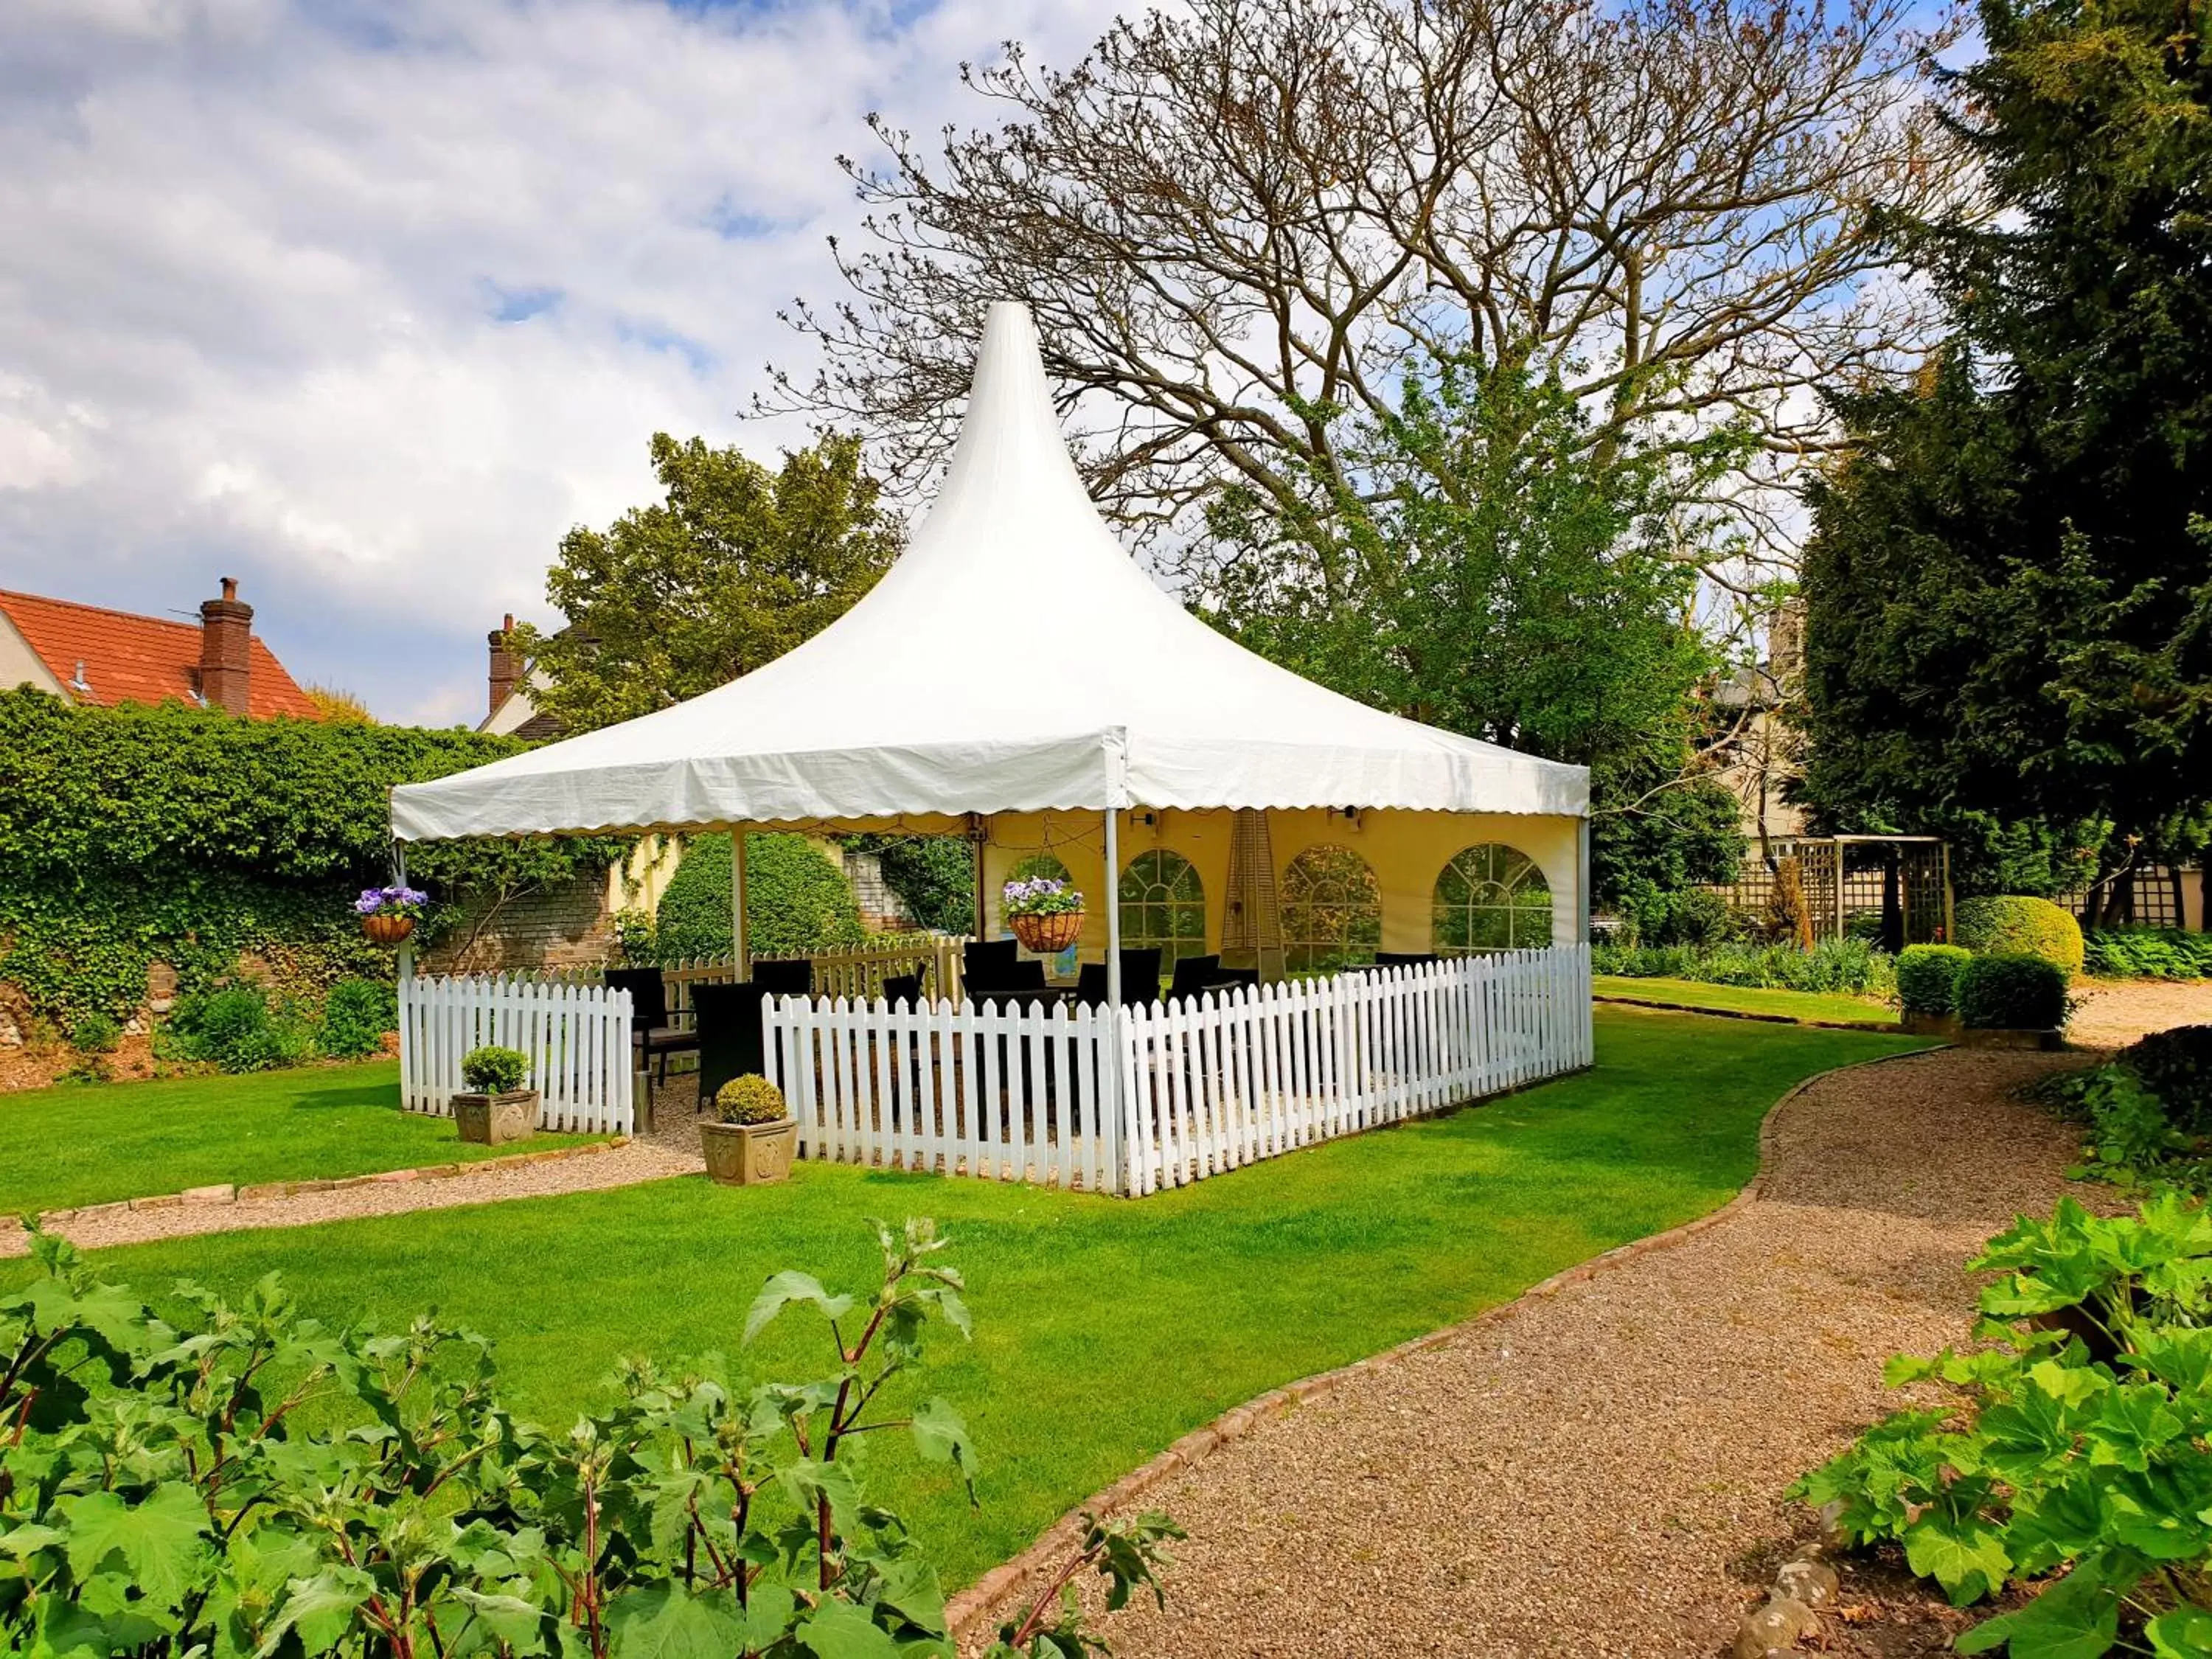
<point>367,305</point>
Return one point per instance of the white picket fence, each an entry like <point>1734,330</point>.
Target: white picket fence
<point>576,1037</point>
<point>1161,1096</point>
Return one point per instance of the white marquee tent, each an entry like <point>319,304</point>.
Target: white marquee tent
<point>1014,659</point>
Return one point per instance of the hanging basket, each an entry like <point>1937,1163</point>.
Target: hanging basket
<point>387,930</point>
<point>1047,935</point>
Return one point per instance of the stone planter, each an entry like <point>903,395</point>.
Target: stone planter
<point>2050,1042</point>
<point>749,1154</point>
<point>1937,1025</point>
<point>495,1120</point>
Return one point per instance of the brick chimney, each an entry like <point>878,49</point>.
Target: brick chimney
<point>226,649</point>
<point>505,668</point>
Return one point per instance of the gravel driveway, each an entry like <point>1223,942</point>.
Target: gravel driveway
<point>1591,1473</point>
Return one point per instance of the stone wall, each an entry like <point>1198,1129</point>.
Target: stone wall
<point>568,925</point>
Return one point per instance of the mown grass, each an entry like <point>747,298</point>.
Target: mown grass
<point>1747,1000</point>
<point>91,1143</point>
<point>1104,1328</point>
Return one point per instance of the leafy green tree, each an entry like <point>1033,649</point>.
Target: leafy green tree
<point>732,568</point>
<point>1485,567</point>
<point>934,877</point>
<point>2009,586</point>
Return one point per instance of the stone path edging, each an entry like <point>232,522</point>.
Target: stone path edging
<point>254,1193</point>
<point>969,1614</point>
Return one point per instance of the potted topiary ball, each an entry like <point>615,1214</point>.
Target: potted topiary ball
<point>2012,1001</point>
<point>497,1109</point>
<point>749,1140</point>
<point>1928,989</point>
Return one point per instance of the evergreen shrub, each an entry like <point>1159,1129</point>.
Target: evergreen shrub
<point>2012,992</point>
<point>2015,926</point>
<point>1928,978</point>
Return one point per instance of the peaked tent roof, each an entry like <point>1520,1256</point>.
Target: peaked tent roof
<point>1015,657</point>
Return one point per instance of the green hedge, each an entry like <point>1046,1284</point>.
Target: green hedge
<point>1849,966</point>
<point>2012,992</point>
<point>134,834</point>
<point>1928,978</point>
<point>2020,927</point>
<point>2147,953</point>
<point>795,900</point>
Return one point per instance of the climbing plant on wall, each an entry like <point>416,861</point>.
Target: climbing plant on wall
<point>135,835</point>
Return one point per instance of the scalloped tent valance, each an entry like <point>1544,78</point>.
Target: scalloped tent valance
<point>1014,659</point>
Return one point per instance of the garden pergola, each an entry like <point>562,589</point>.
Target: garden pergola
<point>1018,679</point>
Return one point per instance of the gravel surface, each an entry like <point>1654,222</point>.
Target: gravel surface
<point>671,1148</point>
<point>1600,1471</point>
<point>2113,1013</point>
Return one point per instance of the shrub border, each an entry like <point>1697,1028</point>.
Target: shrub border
<point>969,1614</point>
<point>261,1191</point>
<point>1891,1028</point>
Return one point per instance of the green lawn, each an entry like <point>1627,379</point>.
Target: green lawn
<point>1746,999</point>
<point>1104,1328</point>
<point>89,1143</point>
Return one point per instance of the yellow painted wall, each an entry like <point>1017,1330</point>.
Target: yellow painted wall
<point>1406,850</point>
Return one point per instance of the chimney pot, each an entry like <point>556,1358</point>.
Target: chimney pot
<point>226,649</point>
<point>505,668</point>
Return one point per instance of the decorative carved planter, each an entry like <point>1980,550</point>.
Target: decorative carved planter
<point>749,1154</point>
<point>495,1120</point>
<point>387,930</point>
<point>1047,935</point>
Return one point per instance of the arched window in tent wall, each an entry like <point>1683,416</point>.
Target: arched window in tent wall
<point>1491,897</point>
<point>1332,911</point>
<point>1162,903</point>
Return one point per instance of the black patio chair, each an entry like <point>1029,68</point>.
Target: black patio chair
<point>1090,985</point>
<point>1406,958</point>
<point>1141,974</point>
<point>1193,974</point>
<point>989,962</point>
<point>902,988</point>
<point>730,1032</point>
<point>651,1035</point>
<point>787,976</point>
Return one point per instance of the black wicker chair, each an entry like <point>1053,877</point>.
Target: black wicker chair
<point>651,1035</point>
<point>790,976</point>
<point>1193,974</point>
<point>730,1032</point>
<point>902,988</point>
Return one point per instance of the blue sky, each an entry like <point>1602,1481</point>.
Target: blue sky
<point>366,305</point>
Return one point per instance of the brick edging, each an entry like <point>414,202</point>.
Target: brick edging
<point>969,1614</point>
<point>258,1192</point>
<point>1891,1028</point>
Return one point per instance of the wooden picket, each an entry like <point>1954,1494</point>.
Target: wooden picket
<point>1162,1095</point>
<point>576,1037</point>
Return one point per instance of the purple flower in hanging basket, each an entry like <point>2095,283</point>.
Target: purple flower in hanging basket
<point>391,902</point>
<point>1042,896</point>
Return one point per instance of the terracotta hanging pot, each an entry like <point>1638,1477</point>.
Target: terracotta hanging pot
<point>1047,935</point>
<point>387,930</point>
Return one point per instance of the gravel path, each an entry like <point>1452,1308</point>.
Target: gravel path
<point>2113,1013</point>
<point>671,1148</point>
<point>1593,1472</point>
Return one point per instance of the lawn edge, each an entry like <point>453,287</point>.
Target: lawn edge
<point>1893,1027</point>
<point>968,1614</point>
<point>254,1193</point>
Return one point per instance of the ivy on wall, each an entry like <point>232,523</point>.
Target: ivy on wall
<point>137,835</point>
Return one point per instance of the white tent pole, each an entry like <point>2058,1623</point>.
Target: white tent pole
<point>738,955</point>
<point>1113,908</point>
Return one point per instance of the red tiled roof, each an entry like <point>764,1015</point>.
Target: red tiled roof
<point>130,659</point>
